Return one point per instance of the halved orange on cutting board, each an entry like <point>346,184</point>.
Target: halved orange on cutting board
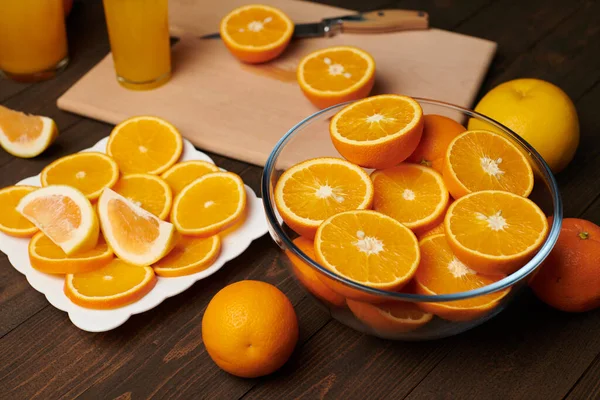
<point>25,135</point>
<point>89,172</point>
<point>336,74</point>
<point>47,257</point>
<point>114,285</point>
<point>145,145</point>
<point>379,131</point>
<point>209,205</point>
<point>412,194</point>
<point>182,174</point>
<point>11,221</point>
<point>63,214</point>
<point>390,317</point>
<point>441,272</point>
<point>190,255</point>
<point>312,191</point>
<point>483,160</point>
<point>150,192</point>
<point>256,33</point>
<point>135,235</point>
<point>494,231</point>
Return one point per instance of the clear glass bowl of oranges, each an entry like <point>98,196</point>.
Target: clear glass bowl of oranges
<point>409,218</point>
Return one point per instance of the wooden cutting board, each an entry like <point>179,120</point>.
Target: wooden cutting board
<point>240,111</point>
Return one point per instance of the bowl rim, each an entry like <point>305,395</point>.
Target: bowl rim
<point>501,284</point>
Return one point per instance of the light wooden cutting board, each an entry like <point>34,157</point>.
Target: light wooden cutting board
<point>240,111</point>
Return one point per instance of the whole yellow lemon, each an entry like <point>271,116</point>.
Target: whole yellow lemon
<point>538,111</point>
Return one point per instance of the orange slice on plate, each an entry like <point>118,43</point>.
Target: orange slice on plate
<point>145,145</point>
<point>114,285</point>
<point>47,257</point>
<point>494,231</point>
<point>483,160</point>
<point>369,248</point>
<point>209,205</point>
<point>391,317</point>
<point>378,132</point>
<point>182,174</point>
<point>135,235</point>
<point>312,191</point>
<point>150,192</point>
<point>11,222</point>
<point>336,74</point>
<point>89,172</point>
<point>411,194</point>
<point>63,214</point>
<point>190,255</point>
<point>308,277</point>
<point>256,33</point>
<point>441,272</point>
<point>25,135</point>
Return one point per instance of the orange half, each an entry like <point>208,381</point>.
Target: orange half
<point>11,221</point>
<point>391,317</point>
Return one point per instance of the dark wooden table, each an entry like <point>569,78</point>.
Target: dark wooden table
<point>529,351</point>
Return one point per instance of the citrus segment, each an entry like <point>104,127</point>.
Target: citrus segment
<point>209,205</point>
<point>89,172</point>
<point>147,191</point>
<point>190,255</point>
<point>411,194</point>
<point>483,160</point>
<point>391,317</point>
<point>494,231</point>
<point>379,131</point>
<point>114,285</point>
<point>314,190</point>
<point>182,174</point>
<point>369,248</point>
<point>310,278</point>
<point>441,272</point>
<point>256,33</point>
<point>63,214</point>
<point>12,222</point>
<point>47,257</point>
<point>135,235</point>
<point>336,74</point>
<point>25,135</point>
<point>144,145</point>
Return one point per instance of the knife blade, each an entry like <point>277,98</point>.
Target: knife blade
<point>380,21</point>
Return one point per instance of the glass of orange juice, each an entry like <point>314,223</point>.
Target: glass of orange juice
<point>139,40</point>
<point>33,39</point>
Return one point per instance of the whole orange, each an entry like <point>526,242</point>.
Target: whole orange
<point>569,279</point>
<point>438,132</point>
<point>250,329</point>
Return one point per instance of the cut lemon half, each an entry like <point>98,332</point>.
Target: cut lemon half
<point>63,214</point>
<point>336,74</point>
<point>379,131</point>
<point>11,221</point>
<point>494,231</point>
<point>369,248</point>
<point>312,191</point>
<point>150,192</point>
<point>25,135</point>
<point>135,235</point>
<point>441,272</point>
<point>209,205</point>
<point>190,255</point>
<point>411,194</point>
<point>47,257</point>
<point>391,317</point>
<point>256,33</point>
<point>144,144</point>
<point>114,285</point>
<point>182,174</point>
<point>89,172</point>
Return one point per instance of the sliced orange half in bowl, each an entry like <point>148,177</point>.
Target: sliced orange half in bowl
<point>390,317</point>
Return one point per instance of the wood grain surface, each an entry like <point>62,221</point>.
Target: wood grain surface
<point>529,351</point>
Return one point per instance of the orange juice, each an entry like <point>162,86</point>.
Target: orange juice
<point>139,40</point>
<point>33,39</point>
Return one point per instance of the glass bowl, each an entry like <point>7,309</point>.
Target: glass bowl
<point>335,292</point>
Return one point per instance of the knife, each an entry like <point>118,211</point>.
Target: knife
<point>379,21</point>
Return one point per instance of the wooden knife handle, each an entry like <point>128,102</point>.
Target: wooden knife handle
<point>384,21</point>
